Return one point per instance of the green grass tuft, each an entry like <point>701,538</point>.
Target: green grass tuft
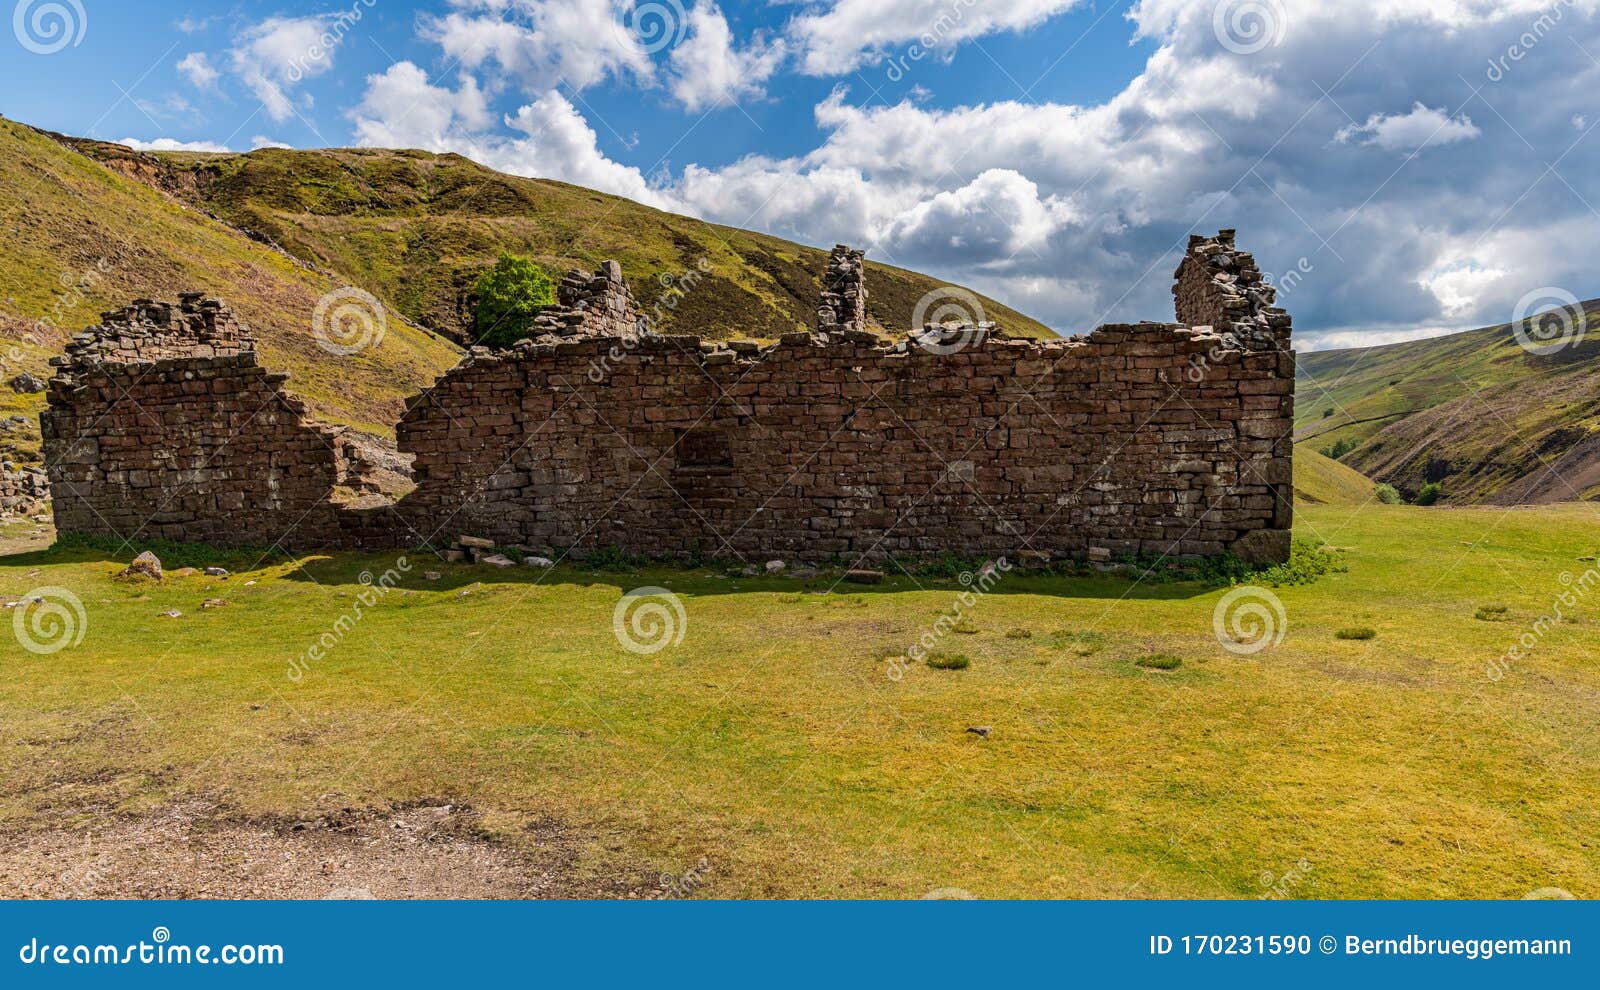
<point>949,661</point>
<point>1356,632</point>
<point>1159,661</point>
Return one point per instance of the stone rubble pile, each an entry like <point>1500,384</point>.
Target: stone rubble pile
<point>23,490</point>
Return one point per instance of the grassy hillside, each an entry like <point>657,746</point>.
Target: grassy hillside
<point>417,229</point>
<point>77,238</point>
<point>769,754</point>
<point>1472,411</point>
<point>1320,480</point>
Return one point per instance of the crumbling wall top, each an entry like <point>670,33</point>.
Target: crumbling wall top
<point>147,330</point>
<point>1219,286</point>
<point>591,305</point>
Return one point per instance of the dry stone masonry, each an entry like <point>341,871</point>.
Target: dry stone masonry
<point>597,305</point>
<point>844,292</point>
<point>831,447</point>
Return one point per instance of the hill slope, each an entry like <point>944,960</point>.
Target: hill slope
<point>417,228</point>
<point>1320,480</point>
<point>1473,411</point>
<point>77,239</point>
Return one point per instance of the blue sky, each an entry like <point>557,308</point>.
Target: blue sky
<point>1419,165</point>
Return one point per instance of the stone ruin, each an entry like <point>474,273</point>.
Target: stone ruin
<point>844,292</point>
<point>597,305</point>
<point>837,446</point>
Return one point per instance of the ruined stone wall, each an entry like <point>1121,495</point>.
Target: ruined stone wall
<point>161,425</point>
<point>1146,438</point>
<point>847,450</point>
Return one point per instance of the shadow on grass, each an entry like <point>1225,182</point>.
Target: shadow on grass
<point>359,569</point>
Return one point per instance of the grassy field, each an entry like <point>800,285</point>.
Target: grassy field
<point>768,753</point>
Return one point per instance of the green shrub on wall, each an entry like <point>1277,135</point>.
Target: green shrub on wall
<point>510,295</point>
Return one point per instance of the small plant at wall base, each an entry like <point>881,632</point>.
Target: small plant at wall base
<point>510,295</point>
<point>1429,493</point>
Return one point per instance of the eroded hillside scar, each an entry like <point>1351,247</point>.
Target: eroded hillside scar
<point>595,432</point>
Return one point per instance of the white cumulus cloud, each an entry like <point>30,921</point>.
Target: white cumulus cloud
<point>1422,127</point>
<point>709,70</point>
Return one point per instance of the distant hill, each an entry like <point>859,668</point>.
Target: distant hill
<point>417,229</point>
<point>1473,411</point>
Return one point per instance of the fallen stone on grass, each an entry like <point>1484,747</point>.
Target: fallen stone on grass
<point>171,613</point>
<point>863,576</point>
<point>213,603</point>
<point>497,560</point>
<point>431,575</point>
<point>216,572</point>
<point>146,565</point>
<point>981,731</point>
<point>455,556</point>
<point>538,561</point>
<point>475,542</point>
<point>774,566</point>
<point>185,572</point>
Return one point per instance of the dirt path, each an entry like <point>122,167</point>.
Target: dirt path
<point>424,851</point>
